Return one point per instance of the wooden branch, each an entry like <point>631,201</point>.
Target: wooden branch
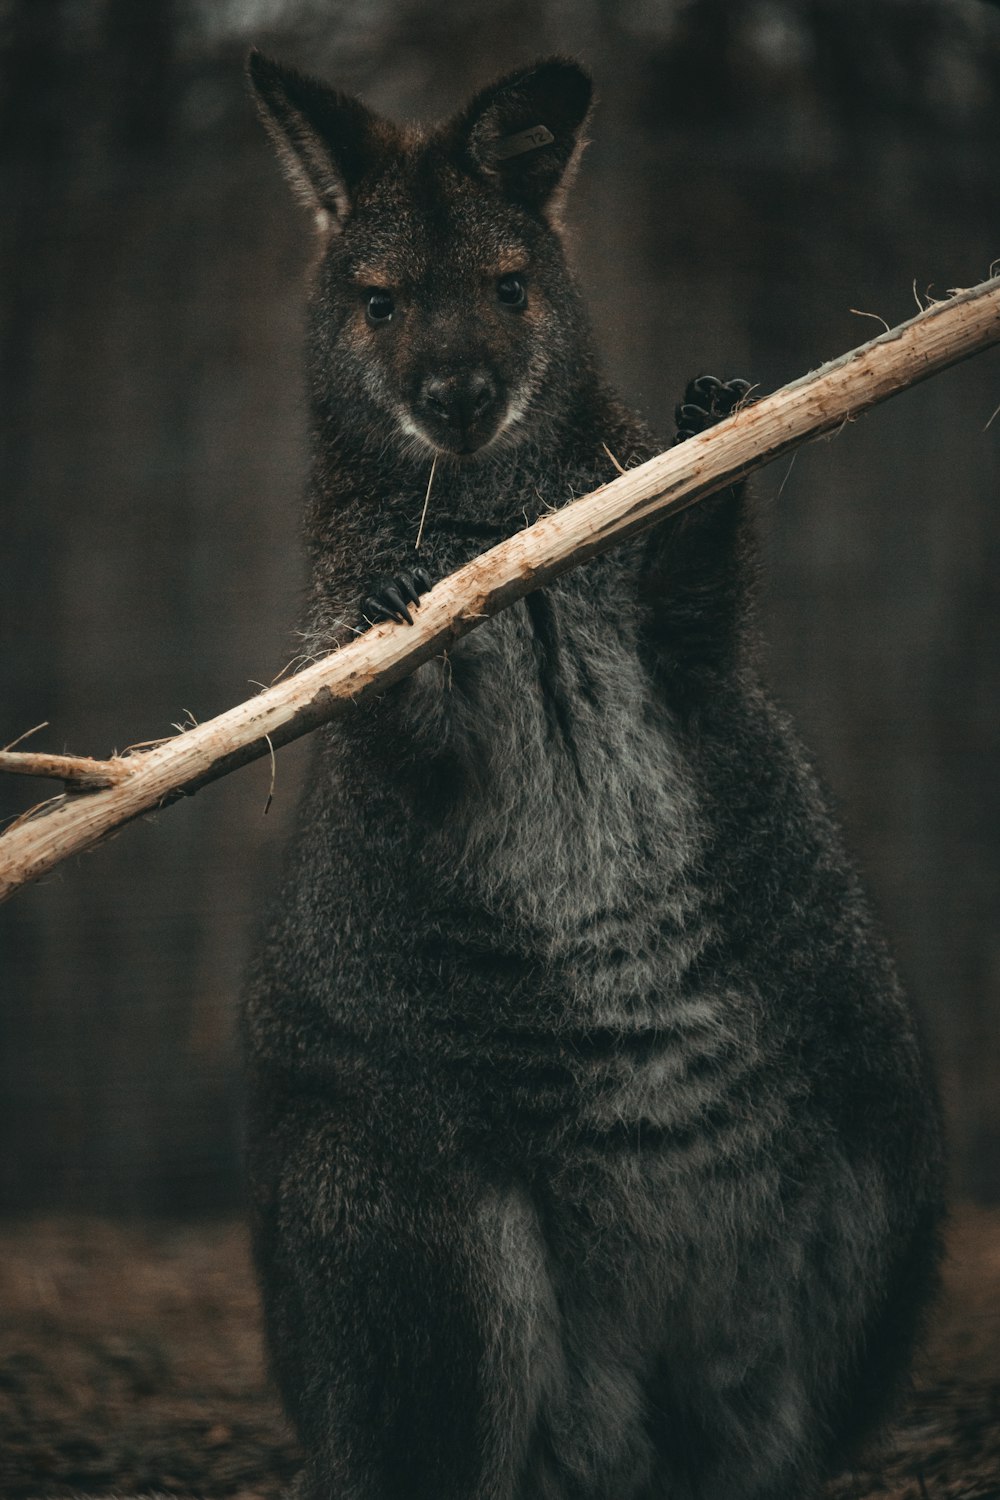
<point>942,335</point>
<point>81,773</point>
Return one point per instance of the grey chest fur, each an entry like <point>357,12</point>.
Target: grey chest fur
<point>566,918</point>
<point>577,819</point>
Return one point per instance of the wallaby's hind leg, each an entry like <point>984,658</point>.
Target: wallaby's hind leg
<point>369,1315</point>
<point>394,1304</point>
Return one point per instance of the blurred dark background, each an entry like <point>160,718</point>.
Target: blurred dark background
<point>758,170</point>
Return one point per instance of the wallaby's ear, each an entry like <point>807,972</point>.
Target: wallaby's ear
<point>327,141</point>
<point>524,131</point>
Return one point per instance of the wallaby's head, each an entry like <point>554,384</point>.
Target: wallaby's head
<point>443,315</point>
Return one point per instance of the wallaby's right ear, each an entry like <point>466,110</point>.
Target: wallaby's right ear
<point>327,141</point>
<point>525,132</point>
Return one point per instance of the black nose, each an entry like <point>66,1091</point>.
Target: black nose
<point>459,401</point>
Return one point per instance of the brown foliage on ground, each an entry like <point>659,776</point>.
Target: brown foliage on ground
<point>130,1360</point>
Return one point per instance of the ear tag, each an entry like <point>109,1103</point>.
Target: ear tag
<point>525,140</point>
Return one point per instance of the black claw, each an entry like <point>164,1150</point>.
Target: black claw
<point>395,594</point>
<point>706,386</point>
<point>394,598</point>
<point>707,400</point>
<point>378,607</point>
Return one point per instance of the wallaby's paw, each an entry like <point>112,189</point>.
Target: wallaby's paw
<point>707,400</point>
<point>392,598</point>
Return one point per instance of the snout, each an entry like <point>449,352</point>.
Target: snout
<point>459,409</point>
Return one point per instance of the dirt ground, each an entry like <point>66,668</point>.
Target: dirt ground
<point>130,1361</point>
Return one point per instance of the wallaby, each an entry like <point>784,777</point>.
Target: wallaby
<point>593,1152</point>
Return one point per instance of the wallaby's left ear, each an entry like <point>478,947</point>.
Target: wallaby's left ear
<point>327,141</point>
<point>524,131</point>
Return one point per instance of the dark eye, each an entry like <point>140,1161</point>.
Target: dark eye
<point>511,291</point>
<point>379,307</point>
